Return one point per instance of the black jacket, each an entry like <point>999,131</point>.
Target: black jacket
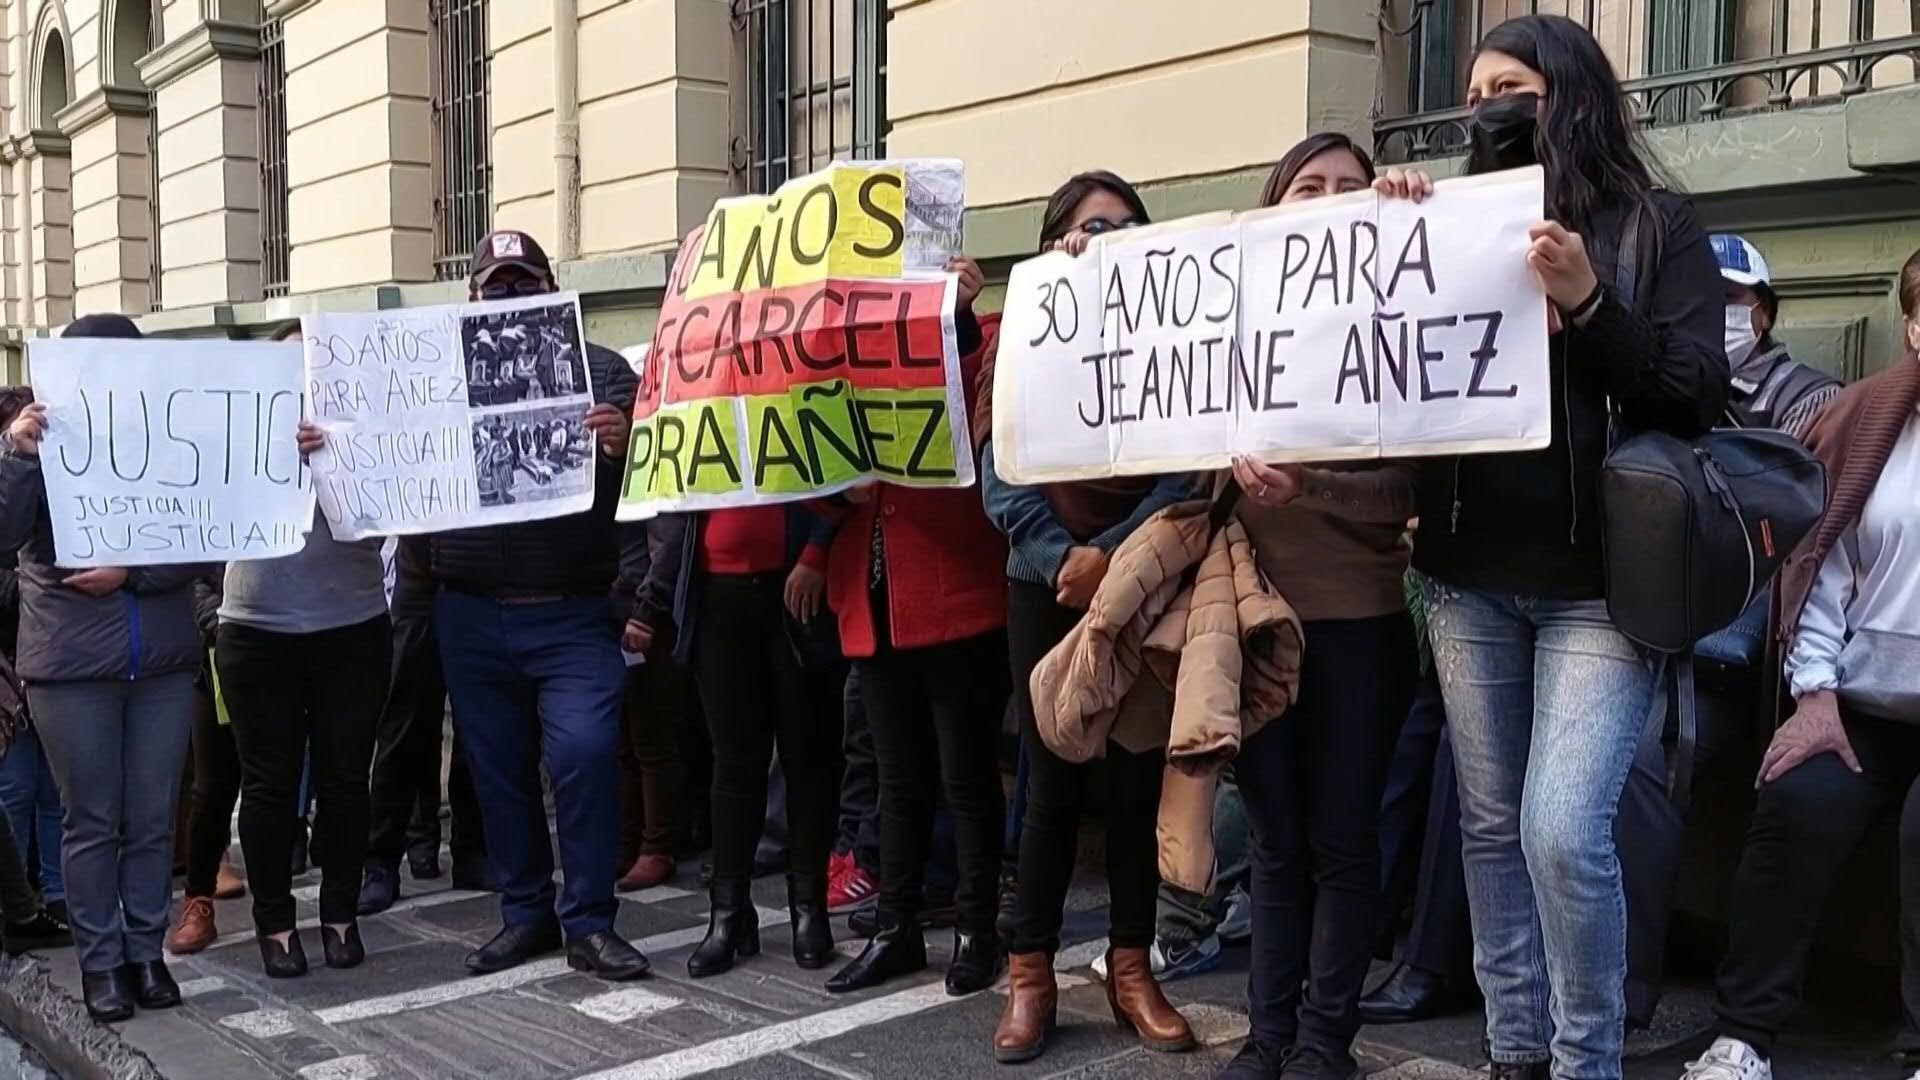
<point>1529,523</point>
<point>577,556</point>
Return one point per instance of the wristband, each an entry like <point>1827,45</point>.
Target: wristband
<point>1585,307</point>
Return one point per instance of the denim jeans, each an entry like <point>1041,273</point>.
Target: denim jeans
<point>32,801</point>
<point>1546,701</point>
<point>1189,917</point>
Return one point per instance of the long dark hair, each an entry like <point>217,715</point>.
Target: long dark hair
<point>1587,139</point>
<point>1055,222</point>
<point>1290,164</point>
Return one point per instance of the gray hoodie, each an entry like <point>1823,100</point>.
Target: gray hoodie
<point>145,628</point>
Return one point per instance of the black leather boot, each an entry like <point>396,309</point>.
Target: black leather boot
<point>899,948</point>
<point>976,963</point>
<point>733,930</point>
<point>812,929</point>
<point>109,994</point>
<point>154,987</point>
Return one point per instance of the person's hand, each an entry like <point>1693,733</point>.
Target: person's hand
<point>28,429</point>
<point>1560,258</point>
<point>99,581</point>
<point>1269,485</point>
<point>860,494</point>
<point>1553,318</point>
<point>1074,243</point>
<point>1080,575</point>
<point>638,637</point>
<point>311,438</point>
<point>1814,729</point>
<point>806,592</point>
<point>971,280</point>
<point>1404,184</point>
<point>611,426</point>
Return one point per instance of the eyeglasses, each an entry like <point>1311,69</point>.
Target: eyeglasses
<point>1096,226</point>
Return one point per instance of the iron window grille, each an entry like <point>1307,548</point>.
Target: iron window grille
<point>816,86</point>
<point>275,250</point>
<point>462,158</point>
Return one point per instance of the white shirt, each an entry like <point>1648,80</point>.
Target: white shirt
<point>1860,632</point>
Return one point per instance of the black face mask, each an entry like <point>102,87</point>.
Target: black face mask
<point>1501,133</point>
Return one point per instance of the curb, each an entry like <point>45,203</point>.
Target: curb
<point>57,1028</point>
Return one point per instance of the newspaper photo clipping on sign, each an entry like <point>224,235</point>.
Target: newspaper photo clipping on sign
<point>171,451</point>
<point>1347,327</point>
<point>806,344</point>
<point>450,417</point>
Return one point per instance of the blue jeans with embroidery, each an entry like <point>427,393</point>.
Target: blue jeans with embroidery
<point>1546,701</point>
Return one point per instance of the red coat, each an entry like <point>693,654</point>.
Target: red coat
<point>946,566</point>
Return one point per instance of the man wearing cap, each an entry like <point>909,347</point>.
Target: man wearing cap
<point>531,651</point>
<point>1770,388</point>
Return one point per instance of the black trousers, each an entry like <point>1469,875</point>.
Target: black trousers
<point>755,697</point>
<point>216,787</point>
<point>406,759</point>
<point>652,784</point>
<point>290,695</point>
<point>1804,828</point>
<point>1312,781</point>
<point>1057,798</point>
<point>935,713</point>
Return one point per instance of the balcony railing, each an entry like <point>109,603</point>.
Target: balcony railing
<point>1682,61</point>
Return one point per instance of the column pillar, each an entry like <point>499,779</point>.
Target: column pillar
<point>111,188</point>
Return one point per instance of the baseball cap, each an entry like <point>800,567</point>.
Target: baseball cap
<point>508,247</point>
<point>1740,262</point>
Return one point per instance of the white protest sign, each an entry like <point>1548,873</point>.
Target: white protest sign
<point>171,451</point>
<point>450,417</point>
<point>1348,327</point>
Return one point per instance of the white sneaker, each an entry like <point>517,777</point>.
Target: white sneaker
<point>1173,961</point>
<point>1728,1059</point>
<point>1238,923</point>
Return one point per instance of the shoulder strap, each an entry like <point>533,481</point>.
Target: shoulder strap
<point>1626,268</point>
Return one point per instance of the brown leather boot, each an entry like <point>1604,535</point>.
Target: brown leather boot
<point>1033,1000</point>
<point>194,930</point>
<point>1140,1007</point>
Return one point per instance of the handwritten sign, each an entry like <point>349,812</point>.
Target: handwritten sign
<point>171,451</point>
<point>1340,328</point>
<point>806,344</point>
<point>450,417</point>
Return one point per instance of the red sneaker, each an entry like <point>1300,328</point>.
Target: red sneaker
<point>848,886</point>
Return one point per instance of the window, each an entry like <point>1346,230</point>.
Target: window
<point>816,85</point>
<point>53,81</point>
<point>462,163</point>
<point>1687,35</point>
<point>274,249</point>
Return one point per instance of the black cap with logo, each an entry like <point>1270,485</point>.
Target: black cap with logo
<point>508,247</point>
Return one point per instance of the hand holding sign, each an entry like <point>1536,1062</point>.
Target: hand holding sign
<point>610,425</point>
<point>310,438</point>
<point>1271,486</point>
<point>27,428</point>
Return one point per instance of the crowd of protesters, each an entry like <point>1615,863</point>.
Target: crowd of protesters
<point>820,688</point>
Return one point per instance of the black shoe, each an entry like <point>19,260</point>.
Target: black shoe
<point>1538,1070</point>
<point>473,875</point>
<point>812,926</point>
<point>733,931</point>
<point>607,955</point>
<point>513,946</point>
<point>976,963</point>
<point>425,863</point>
<point>895,951</point>
<point>343,950</point>
<point>378,889</point>
<point>1312,1063</point>
<point>1255,1061</point>
<point>57,910</point>
<point>153,985</point>
<point>109,995</point>
<point>287,961</point>
<point>43,931</point>
<point>1009,899</point>
<point>1410,995</point>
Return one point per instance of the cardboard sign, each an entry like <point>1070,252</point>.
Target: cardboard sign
<point>171,451</point>
<point>450,417</point>
<point>1340,328</point>
<point>806,344</point>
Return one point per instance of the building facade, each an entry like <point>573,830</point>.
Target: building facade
<point>217,167</point>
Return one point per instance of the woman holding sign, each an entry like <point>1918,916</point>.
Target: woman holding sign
<point>1061,536</point>
<point>1545,696</point>
<point>1333,540</point>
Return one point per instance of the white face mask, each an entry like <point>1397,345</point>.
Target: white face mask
<point>1740,336</point>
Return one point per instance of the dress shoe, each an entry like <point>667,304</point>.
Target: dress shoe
<point>425,863</point>
<point>898,949</point>
<point>379,889</point>
<point>153,985</point>
<point>1410,995</point>
<point>1033,1003</point>
<point>607,955</point>
<point>43,931</point>
<point>513,946</point>
<point>228,884</point>
<point>647,872</point>
<point>1255,1061</point>
<point>733,931</point>
<point>473,875</point>
<point>287,961</point>
<point>1138,1005</point>
<point>344,950</point>
<point>812,927</point>
<point>109,995</point>
<point>975,964</point>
